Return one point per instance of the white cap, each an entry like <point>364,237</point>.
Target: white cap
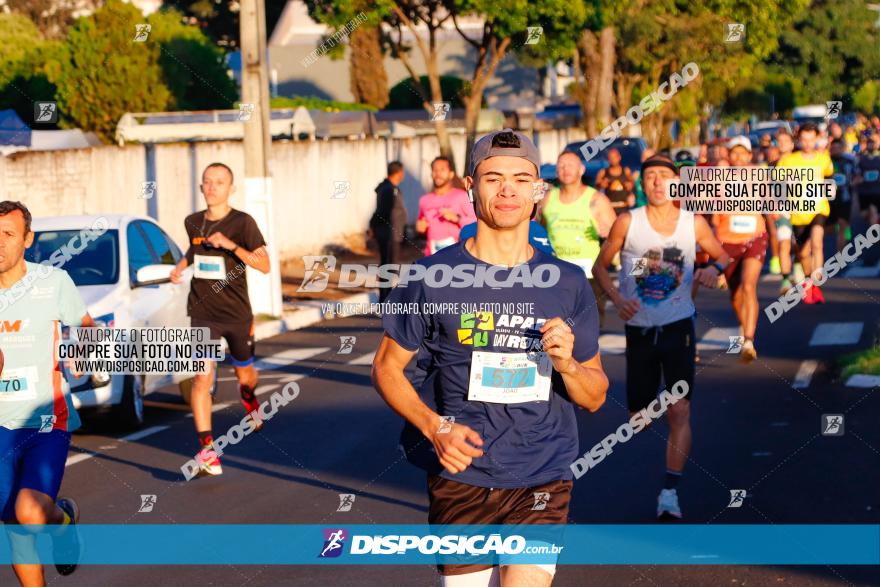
<point>740,141</point>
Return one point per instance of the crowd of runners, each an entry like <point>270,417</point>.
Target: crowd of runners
<point>494,392</point>
<point>490,452</point>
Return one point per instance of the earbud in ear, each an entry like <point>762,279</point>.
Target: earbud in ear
<point>471,194</point>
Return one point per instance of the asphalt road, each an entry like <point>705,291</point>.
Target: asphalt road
<point>753,429</point>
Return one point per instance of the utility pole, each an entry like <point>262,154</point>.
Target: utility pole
<point>265,290</point>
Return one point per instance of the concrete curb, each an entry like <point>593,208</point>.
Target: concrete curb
<point>308,314</point>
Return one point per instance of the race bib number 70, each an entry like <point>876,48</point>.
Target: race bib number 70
<point>18,384</point>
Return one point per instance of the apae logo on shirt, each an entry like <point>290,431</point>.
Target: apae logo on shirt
<point>481,329</point>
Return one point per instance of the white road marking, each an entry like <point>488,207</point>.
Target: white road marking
<point>717,339</point>
<point>769,277</point>
<point>863,381</point>
<point>613,343</point>
<point>279,385</point>
<point>364,360</point>
<point>837,333</point>
<point>79,458</point>
<point>288,357</point>
<point>130,438</point>
<point>863,271</point>
<point>804,374</point>
<point>143,433</point>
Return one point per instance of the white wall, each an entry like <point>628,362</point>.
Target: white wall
<point>108,180</point>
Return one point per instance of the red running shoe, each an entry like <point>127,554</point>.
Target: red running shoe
<point>209,462</point>
<point>808,292</point>
<point>818,298</point>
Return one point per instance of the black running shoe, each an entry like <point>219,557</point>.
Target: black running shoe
<point>66,546</point>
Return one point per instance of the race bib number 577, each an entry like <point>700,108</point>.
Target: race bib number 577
<point>510,378</point>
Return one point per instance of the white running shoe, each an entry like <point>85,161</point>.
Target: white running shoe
<point>748,352</point>
<point>667,504</point>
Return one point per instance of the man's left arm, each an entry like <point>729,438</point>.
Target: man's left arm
<point>585,382</point>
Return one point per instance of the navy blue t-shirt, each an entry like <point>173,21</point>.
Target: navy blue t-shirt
<point>525,444</point>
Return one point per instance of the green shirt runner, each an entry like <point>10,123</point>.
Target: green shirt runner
<point>572,231</point>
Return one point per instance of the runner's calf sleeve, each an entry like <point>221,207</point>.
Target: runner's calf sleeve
<point>205,438</point>
<point>247,392</point>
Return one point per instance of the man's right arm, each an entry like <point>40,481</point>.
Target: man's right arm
<point>421,221</point>
<point>453,446</point>
<point>391,383</point>
<point>613,245</point>
<point>177,272</point>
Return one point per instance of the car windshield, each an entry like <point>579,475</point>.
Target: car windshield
<point>97,264</point>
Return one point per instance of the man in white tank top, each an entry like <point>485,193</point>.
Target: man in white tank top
<point>657,244</point>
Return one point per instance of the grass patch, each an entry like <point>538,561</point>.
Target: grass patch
<point>866,362</point>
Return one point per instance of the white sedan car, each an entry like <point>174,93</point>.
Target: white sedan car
<point>124,278</point>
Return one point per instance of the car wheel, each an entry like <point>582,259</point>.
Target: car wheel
<point>130,411</point>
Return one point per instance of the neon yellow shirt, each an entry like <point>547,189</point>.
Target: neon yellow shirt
<point>571,229</point>
<point>821,162</point>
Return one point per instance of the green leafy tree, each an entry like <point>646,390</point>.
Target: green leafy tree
<point>315,103</point>
<point>366,68</point>
<point>505,31</point>
<point>52,17</point>
<point>832,48</point>
<point>192,65</point>
<point>658,38</point>
<point>19,38</point>
<point>402,96</point>
<point>104,73</point>
<point>867,98</point>
<point>219,18</point>
<point>26,57</point>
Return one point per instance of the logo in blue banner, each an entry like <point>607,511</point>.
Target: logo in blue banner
<point>334,541</point>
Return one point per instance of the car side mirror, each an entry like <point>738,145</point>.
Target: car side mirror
<point>153,275</point>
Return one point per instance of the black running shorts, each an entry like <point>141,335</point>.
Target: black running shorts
<point>239,338</point>
<point>666,351</point>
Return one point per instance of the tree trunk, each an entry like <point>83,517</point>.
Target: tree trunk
<point>437,97</point>
<point>366,68</point>
<point>606,76</point>
<point>471,117</point>
<point>587,89</point>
